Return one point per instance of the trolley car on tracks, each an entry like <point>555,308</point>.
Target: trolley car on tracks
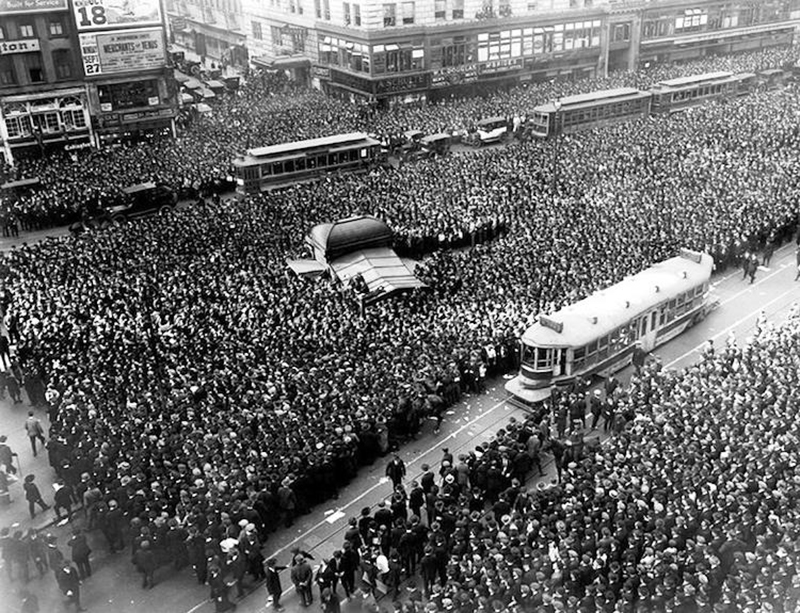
<point>266,168</point>
<point>597,335</point>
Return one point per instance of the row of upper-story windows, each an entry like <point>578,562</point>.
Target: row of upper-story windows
<point>721,16</point>
<point>32,68</point>
<point>459,50</point>
<point>54,28</point>
<point>226,6</point>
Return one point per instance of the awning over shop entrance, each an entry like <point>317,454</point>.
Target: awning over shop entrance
<point>281,62</point>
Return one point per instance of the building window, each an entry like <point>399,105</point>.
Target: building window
<point>440,9</point>
<point>56,28</point>
<point>357,14</point>
<point>621,32</point>
<point>34,65</point>
<point>258,34</point>
<point>73,119</point>
<point>326,10</point>
<point>504,8</point>
<point>7,75</point>
<point>389,15</point>
<point>63,63</point>
<point>2,33</point>
<point>346,13</point>
<point>19,126</point>
<point>128,95</point>
<point>692,19</point>
<point>531,6</point>
<point>408,13</point>
<point>26,30</point>
<point>458,9</point>
<point>277,37</point>
<point>299,7</point>
<point>318,9</point>
<point>459,53</point>
<point>47,122</point>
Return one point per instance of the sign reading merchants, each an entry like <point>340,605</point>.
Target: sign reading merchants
<point>109,14</point>
<point>122,51</point>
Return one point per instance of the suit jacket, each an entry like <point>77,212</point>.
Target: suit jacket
<point>273,584</point>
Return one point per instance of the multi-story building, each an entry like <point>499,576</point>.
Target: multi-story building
<point>74,73</point>
<point>407,50</point>
<point>210,29</point>
<point>43,99</point>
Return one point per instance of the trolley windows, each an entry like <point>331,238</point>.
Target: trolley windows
<point>251,173</point>
<point>528,354</point>
<point>539,358</point>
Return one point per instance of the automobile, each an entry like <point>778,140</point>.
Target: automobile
<point>141,200</point>
<point>436,144</point>
<point>491,130</point>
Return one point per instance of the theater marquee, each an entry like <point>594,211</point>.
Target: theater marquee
<point>112,14</point>
<point>122,51</point>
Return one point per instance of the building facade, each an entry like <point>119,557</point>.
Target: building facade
<point>76,73</point>
<point>210,29</point>
<point>414,50</point>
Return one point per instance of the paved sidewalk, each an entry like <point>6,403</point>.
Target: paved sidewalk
<point>12,425</point>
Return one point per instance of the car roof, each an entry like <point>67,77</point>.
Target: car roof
<point>133,189</point>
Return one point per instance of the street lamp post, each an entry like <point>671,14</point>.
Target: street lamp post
<point>556,149</point>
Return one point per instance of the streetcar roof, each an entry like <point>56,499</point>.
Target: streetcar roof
<point>691,80</point>
<point>568,102</point>
<point>313,143</point>
<point>607,309</point>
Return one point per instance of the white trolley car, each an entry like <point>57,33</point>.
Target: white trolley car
<point>597,335</point>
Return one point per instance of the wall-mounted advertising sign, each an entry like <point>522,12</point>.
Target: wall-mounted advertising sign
<point>112,14</point>
<point>27,45</point>
<point>10,7</point>
<point>122,51</point>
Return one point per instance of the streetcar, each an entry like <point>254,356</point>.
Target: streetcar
<point>675,95</point>
<point>585,111</point>
<point>597,335</point>
<point>266,168</point>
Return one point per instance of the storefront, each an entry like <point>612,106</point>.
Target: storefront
<point>45,121</point>
<point>296,67</point>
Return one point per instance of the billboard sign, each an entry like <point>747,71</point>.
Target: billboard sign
<point>112,14</point>
<point>122,51</point>
<point>10,7</point>
<point>19,46</point>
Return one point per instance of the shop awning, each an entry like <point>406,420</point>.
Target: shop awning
<point>287,61</point>
<point>203,108</point>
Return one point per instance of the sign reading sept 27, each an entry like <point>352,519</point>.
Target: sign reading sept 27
<point>113,14</point>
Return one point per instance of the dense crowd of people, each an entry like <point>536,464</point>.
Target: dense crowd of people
<point>268,110</point>
<point>200,389</point>
<point>690,506</point>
